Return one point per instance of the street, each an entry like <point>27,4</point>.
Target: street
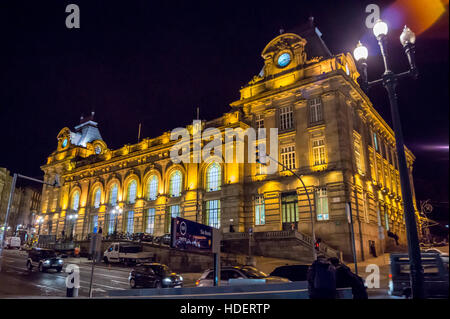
<point>17,281</point>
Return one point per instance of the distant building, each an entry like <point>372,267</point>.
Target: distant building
<point>329,132</point>
<point>24,207</point>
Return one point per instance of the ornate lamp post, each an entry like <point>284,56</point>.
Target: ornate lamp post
<point>389,81</point>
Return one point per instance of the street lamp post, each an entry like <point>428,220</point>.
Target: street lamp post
<point>117,210</point>
<point>313,234</point>
<point>389,81</point>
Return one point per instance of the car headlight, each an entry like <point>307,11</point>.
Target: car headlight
<point>181,278</point>
<point>167,280</point>
<point>46,262</point>
<point>60,261</point>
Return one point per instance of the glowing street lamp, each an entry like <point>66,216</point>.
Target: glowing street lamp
<point>389,81</point>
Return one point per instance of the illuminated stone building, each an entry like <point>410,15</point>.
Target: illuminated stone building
<point>329,132</point>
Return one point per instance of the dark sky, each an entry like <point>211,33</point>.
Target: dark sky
<point>154,62</point>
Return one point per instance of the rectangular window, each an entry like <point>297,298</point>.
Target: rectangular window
<point>286,118</point>
<point>288,157</point>
<point>213,213</point>
<point>94,224</point>
<point>375,141</point>
<point>318,148</point>
<point>315,110</point>
<point>358,156</point>
<point>130,222</point>
<point>386,220</point>
<point>111,223</point>
<point>322,204</point>
<point>150,225</point>
<point>260,121</point>
<point>289,208</point>
<point>260,212</point>
<point>175,211</point>
<point>365,208</point>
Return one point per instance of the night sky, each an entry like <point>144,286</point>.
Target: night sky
<point>154,62</point>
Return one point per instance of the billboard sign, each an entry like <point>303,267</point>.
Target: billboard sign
<point>191,236</point>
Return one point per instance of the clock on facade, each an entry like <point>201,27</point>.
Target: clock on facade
<point>98,149</point>
<point>284,59</point>
<point>64,143</point>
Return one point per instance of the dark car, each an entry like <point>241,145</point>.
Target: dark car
<point>44,259</point>
<point>435,268</point>
<point>143,237</point>
<point>291,272</point>
<point>154,275</point>
<point>164,239</point>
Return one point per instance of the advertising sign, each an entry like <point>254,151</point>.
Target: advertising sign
<point>191,236</point>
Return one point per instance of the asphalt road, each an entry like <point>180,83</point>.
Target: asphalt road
<point>17,281</point>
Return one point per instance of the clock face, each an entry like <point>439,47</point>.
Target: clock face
<point>284,59</point>
<point>64,143</point>
<point>98,149</point>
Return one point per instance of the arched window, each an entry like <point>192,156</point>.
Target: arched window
<point>131,193</point>
<point>175,184</point>
<point>97,197</point>
<point>152,187</point>
<point>76,200</point>
<point>213,177</point>
<point>113,195</point>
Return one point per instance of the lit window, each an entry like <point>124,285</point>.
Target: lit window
<point>315,110</point>
<point>386,220</point>
<point>288,157</point>
<point>375,141</point>
<point>94,224</point>
<point>318,147</point>
<point>365,208</point>
<point>213,177</point>
<point>97,197</point>
<point>286,118</point>
<point>150,227</point>
<point>289,208</point>
<point>175,211</point>
<point>358,155</point>
<point>260,121</point>
<point>213,213</point>
<point>130,222</point>
<point>152,187</point>
<point>113,195</point>
<point>76,200</point>
<point>131,193</point>
<point>175,184</point>
<point>111,223</point>
<point>322,204</point>
<point>260,213</point>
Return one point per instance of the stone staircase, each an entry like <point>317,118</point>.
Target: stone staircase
<point>289,244</point>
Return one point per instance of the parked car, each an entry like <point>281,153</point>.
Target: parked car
<point>154,275</point>
<point>435,269</point>
<point>12,242</point>
<point>236,272</point>
<point>126,253</point>
<point>143,237</point>
<point>291,272</point>
<point>164,239</point>
<point>44,259</point>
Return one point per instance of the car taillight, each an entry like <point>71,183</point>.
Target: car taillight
<point>390,276</point>
<point>197,282</point>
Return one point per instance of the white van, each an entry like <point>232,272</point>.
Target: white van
<point>126,253</point>
<point>12,242</point>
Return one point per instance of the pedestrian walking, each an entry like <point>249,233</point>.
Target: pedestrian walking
<point>321,278</point>
<point>346,278</point>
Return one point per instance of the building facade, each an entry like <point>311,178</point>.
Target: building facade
<point>328,132</point>
<point>24,206</point>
